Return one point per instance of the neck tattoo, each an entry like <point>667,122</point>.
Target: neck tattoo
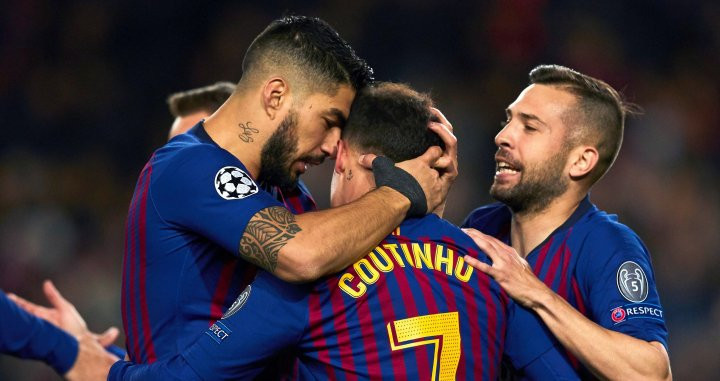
<point>246,132</point>
<point>350,175</point>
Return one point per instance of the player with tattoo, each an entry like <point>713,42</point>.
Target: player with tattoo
<point>198,205</point>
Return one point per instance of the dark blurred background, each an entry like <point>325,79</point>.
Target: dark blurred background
<point>82,106</point>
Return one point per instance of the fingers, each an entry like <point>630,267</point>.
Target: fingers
<point>441,117</point>
<point>432,155</point>
<point>108,337</point>
<point>479,265</point>
<point>367,160</point>
<point>53,295</point>
<point>30,307</point>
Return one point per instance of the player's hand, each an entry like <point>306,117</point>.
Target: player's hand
<point>508,268</point>
<point>93,361</point>
<point>435,170</point>
<point>64,315</point>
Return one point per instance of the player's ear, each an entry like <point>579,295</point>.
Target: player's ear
<point>584,159</point>
<point>341,159</point>
<point>275,94</point>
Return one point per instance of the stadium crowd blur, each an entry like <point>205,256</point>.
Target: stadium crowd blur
<point>82,106</point>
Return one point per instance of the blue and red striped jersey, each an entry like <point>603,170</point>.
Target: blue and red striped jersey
<point>600,266</point>
<point>409,310</point>
<point>181,268</point>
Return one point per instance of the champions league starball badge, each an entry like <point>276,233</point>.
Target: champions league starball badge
<point>232,183</point>
<point>238,303</point>
<point>632,282</point>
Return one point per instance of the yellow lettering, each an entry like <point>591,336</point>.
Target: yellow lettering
<point>464,277</point>
<point>369,277</point>
<point>393,250</point>
<point>446,260</point>
<point>423,255</point>
<point>384,267</point>
<point>406,251</point>
<point>345,286</point>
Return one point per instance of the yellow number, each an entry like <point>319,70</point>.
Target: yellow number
<point>432,328</point>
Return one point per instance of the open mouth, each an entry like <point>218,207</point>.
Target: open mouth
<point>505,168</point>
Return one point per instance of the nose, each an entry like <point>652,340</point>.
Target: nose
<point>504,137</point>
<point>329,144</point>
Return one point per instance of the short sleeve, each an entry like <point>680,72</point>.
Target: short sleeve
<point>619,286</point>
<point>208,191</point>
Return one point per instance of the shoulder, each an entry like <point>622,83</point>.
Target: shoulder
<point>486,215</point>
<point>601,229</point>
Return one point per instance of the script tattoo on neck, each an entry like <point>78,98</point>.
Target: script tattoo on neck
<point>265,234</point>
<point>349,175</point>
<point>246,132</point>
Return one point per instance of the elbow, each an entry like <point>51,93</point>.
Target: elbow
<point>299,266</point>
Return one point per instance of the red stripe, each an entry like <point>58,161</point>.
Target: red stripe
<point>315,324</point>
<point>554,265</point>
<point>128,280</point>
<point>563,288</point>
<point>423,362</point>
<point>491,312</point>
<point>217,305</point>
<point>344,345</point>
<point>541,257</point>
<point>133,271</point>
<point>578,297</point>
<point>389,316</point>
<point>148,343</point>
<point>367,331</point>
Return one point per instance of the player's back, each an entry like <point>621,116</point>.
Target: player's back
<point>411,309</point>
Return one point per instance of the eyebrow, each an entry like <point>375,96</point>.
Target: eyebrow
<point>525,116</point>
<point>336,115</point>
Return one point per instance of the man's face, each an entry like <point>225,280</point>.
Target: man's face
<point>306,136</point>
<point>531,160</point>
<point>183,123</point>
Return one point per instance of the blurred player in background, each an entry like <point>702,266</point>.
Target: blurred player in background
<point>198,207</point>
<point>411,309</point>
<point>588,277</point>
<point>191,106</point>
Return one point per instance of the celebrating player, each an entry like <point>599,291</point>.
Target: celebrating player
<point>410,309</point>
<point>197,205</point>
<point>588,277</point>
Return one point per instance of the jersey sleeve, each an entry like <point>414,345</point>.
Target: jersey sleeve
<point>619,285</point>
<point>268,317</point>
<point>26,336</point>
<point>207,191</point>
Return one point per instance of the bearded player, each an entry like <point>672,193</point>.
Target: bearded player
<point>587,276</point>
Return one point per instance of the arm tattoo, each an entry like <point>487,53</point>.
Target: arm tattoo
<point>246,132</point>
<point>266,233</point>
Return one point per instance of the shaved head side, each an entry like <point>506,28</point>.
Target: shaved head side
<point>598,117</point>
<point>309,52</point>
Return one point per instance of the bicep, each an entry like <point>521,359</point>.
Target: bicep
<point>268,231</point>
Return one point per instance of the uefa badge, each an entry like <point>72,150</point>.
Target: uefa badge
<point>618,314</point>
<point>632,282</point>
<point>239,302</point>
<point>232,183</point>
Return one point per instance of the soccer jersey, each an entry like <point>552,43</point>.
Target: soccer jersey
<point>598,265</point>
<point>26,336</point>
<point>181,268</point>
<point>410,310</point>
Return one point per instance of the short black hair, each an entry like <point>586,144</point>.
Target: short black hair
<point>311,46</point>
<point>391,119</point>
<point>599,118</point>
<point>207,98</point>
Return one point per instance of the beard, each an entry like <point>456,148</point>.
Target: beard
<point>277,154</point>
<point>539,185</point>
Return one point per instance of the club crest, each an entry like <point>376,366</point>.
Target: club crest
<point>239,302</point>
<point>632,282</point>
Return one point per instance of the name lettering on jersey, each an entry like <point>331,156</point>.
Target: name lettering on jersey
<point>635,311</point>
<point>218,332</point>
<point>390,256</point>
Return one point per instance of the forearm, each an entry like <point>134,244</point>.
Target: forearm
<point>332,239</point>
<point>608,354</point>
